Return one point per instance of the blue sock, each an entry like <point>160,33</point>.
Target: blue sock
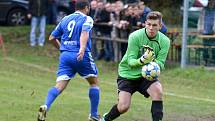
<point>94,95</point>
<point>52,94</point>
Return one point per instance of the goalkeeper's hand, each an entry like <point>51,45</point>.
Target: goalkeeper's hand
<point>148,55</point>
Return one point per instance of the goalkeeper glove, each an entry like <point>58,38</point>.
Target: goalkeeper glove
<point>148,55</point>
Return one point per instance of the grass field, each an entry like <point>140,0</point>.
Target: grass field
<point>27,73</point>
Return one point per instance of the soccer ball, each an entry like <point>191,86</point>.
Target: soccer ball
<point>151,71</point>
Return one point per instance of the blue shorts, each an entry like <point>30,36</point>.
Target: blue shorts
<point>68,66</point>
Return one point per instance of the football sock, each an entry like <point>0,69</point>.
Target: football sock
<point>94,95</point>
<point>157,110</point>
<point>52,94</point>
<point>113,114</point>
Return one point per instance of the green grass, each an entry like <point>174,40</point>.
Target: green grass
<point>27,73</point>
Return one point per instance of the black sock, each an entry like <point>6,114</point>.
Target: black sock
<point>113,114</point>
<point>157,110</point>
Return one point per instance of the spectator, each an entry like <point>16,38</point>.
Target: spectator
<point>93,5</point>
<point>98,18</point>
<point>119,6</point>
<point>105,30</point>
<point>206,27</point>
<point>52,16</point>
<point>134,15</point>
<point>145,10</point>
<point>122,24</point>
<point>93,12</point>
<point>132,1</point>
<point>37,13</point>
<point>72,5</point>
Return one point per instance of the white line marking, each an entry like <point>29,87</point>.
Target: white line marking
<point>190,97</point>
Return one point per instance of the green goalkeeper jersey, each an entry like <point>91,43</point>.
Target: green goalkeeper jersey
<point>129,66</point>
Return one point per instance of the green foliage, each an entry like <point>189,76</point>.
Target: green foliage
<point>170,10</point>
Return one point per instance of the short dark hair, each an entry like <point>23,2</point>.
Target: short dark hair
<point>81,4</point>
<point>154,15</point>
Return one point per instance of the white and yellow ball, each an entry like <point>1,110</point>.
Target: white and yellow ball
<point>151,71</point>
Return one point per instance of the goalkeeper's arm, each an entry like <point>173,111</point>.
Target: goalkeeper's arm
<point>148,55</point>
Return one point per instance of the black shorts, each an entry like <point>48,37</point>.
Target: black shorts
<point>141,85</point>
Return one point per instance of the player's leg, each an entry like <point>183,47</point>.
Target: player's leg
<point>51,96</point>
<point>88,70</point>
<point>124,101</point>
<point>65,73</point>
<point>94,96</point>
<point>55,91</point>
<point>126,89</point>
<point>155,91</point>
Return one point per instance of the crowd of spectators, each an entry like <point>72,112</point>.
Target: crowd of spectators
<point>117,20</point>
<point>125,18</point>
<point>111,20</point>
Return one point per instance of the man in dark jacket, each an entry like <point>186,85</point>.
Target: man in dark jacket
<point>37,13</point>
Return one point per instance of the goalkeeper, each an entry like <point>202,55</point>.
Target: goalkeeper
<point>155,46</point>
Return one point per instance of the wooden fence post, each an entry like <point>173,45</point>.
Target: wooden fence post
<point>113,37</point>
